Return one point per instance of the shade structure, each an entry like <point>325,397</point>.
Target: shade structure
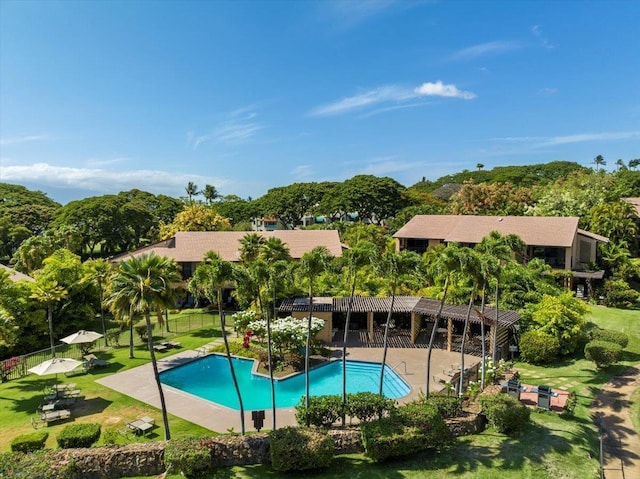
<point>81,336</point>
<point>55,366</point>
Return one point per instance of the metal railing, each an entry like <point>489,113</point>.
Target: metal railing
<point>405,367</point>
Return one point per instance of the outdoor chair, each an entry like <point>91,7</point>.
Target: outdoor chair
<point>93,362</point>
<point>54,416</point>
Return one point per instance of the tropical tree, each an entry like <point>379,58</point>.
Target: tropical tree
<point>98,272</point>
<point>49,292</point>
<point>146,285</point>
<point>192,190</point>
<point>396,266</point>
<point>441,262</point>
<point>250,247</point>
<point>311,265</point>
<point>209,279</point>
<point>356,257</point>
<point>210,193</point>
<point>599,161</point>
<point>633,164</point>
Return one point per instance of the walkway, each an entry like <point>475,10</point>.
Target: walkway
<point>621,443</point>
<point>139,383</point>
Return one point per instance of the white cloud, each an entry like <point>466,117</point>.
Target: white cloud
<point>302,172</point>
<point>105,181</point>
<point>241,128</point>
<point>548,91</point>
<point>22,139</point>
<point>391,94</point>
<point>440,89</point>
<point>544,141</point>
<point>488,48</point>
<point>537,32</point>
<point>349,13</point>
<point>386,165</point>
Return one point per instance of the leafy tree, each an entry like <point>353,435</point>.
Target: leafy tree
<point>561,316</point>
<point>209,279</point>
<point>599,161</point>
<point>32,253</point>
<point>98,273</point>
<point>374,199</point>
<point>291,203</point>
<point>633,164</point>
<point>616,221</point>
<point>145,284</point>
<point>238,211</point>
<point>195,218</point>
<point>311,265</point>
<point>491,199</point>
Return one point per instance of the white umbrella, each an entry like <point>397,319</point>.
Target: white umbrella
<point>81,336</point>
<point>55,366</point>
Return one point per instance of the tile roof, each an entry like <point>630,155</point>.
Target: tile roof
<point>16,275</point>
<point>403,304</point>
<point>533,230</point>
<point>191,246</point>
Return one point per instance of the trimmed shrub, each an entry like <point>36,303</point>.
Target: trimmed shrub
<point>537,347</point>
<point>29,442</point>
<point>300,449</point>
<point>618,294</point>
<point>603,353</point>
<point>78,435</point>
<point>322,411</point>
<point>611,336</point>
<point>504,413</point>
<point>447,406</point>
<point>411,428</point>
<point>38,464</point>
<point>191,457</point>
<point>366,406</point>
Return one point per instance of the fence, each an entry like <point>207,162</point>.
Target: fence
<point>175,324</point>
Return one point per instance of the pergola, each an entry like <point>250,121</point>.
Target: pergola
<point>417,307</point>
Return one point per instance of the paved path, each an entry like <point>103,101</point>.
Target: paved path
<point>621,442</point>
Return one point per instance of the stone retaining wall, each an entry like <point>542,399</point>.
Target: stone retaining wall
<point>146,459</point>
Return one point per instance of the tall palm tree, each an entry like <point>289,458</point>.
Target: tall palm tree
<point>472,270</point>
<point>599,161</point>
<point>311,265</point>
<point>192,190</point>
<point>98,272</point>
<point>490,268</point>
<point>275,253</point>
<point>250,247</point>
<point>146,284</point>
<point>396,266</point>
<point>356,258</point>
<point>48,292</point>
<point>210,279</point>
<point>442,262</point>
<point>210,193</point>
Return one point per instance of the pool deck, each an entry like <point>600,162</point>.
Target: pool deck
<point>139,383</point>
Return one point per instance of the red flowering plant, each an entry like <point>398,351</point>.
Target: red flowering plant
<point>7,366</point>
<point>247,339</point>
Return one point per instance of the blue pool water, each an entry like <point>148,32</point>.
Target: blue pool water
<point>209,378</point>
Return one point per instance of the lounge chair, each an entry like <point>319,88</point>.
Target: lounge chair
<point>54,416</point>
<point>93,362</point>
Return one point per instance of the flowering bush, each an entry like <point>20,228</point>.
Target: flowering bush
<point>287,333</point>
<point>241,320</point>
<point>7,366</point>
<point>494,371</point>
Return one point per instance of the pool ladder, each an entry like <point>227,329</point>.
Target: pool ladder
<point>405,367</point>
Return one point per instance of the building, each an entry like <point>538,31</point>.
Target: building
<point>556,240</point>
<point>16,275</point>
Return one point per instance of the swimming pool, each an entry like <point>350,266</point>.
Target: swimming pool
<point>209,378</point>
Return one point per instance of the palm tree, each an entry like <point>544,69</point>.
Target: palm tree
<point>599,161</point>
<point>192,190</point>
<point>250,247</point>
<point>98,272</point>
<point>146,284</point>
<point>210,193</point>
<point>443,262</point>
<point>357,257</point>
<point>490,268</point>
<point>210,279</point>
<point>620,164</point>
<point>472,269</point>
<point>479,166</point>
<point>311,265</point>
<point>396,266</point>
<point>634,163</point>
<point>48,292</point>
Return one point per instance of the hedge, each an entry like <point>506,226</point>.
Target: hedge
<point>603,353</point>
<point>191,456</point>
<point>538,347</point>
<point>78,435</point>
<point>29,442</point>
<point>505,413</point>
<point>38,464</point>
<point>300,449</point>
<point>611,336</point>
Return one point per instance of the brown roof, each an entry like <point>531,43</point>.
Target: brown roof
<point>16,275</point>
<point>533,230</point>
<point>402,304</point>
<point>191,246</point>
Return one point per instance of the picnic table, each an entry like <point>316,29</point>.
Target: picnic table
<point>139,426</point>
<point>53,416</point>
<point>63,386</point>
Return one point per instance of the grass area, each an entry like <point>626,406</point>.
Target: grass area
<point>634,410</point>
<point>550,447</point>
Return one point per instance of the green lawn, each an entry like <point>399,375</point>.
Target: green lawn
<point>550,447</point>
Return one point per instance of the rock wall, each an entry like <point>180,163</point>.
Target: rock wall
<point>113,462</point>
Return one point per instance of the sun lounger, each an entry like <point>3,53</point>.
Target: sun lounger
<point>94,362</point>
<point>160,347</point>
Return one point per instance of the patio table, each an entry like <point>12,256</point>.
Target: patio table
<point>63,386</point>
<point>140,427</point>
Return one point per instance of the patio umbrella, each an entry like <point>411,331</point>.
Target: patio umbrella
<point>55,366</point>
<point>81,336</point>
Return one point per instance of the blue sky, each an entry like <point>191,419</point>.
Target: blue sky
<point>98,96</point>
